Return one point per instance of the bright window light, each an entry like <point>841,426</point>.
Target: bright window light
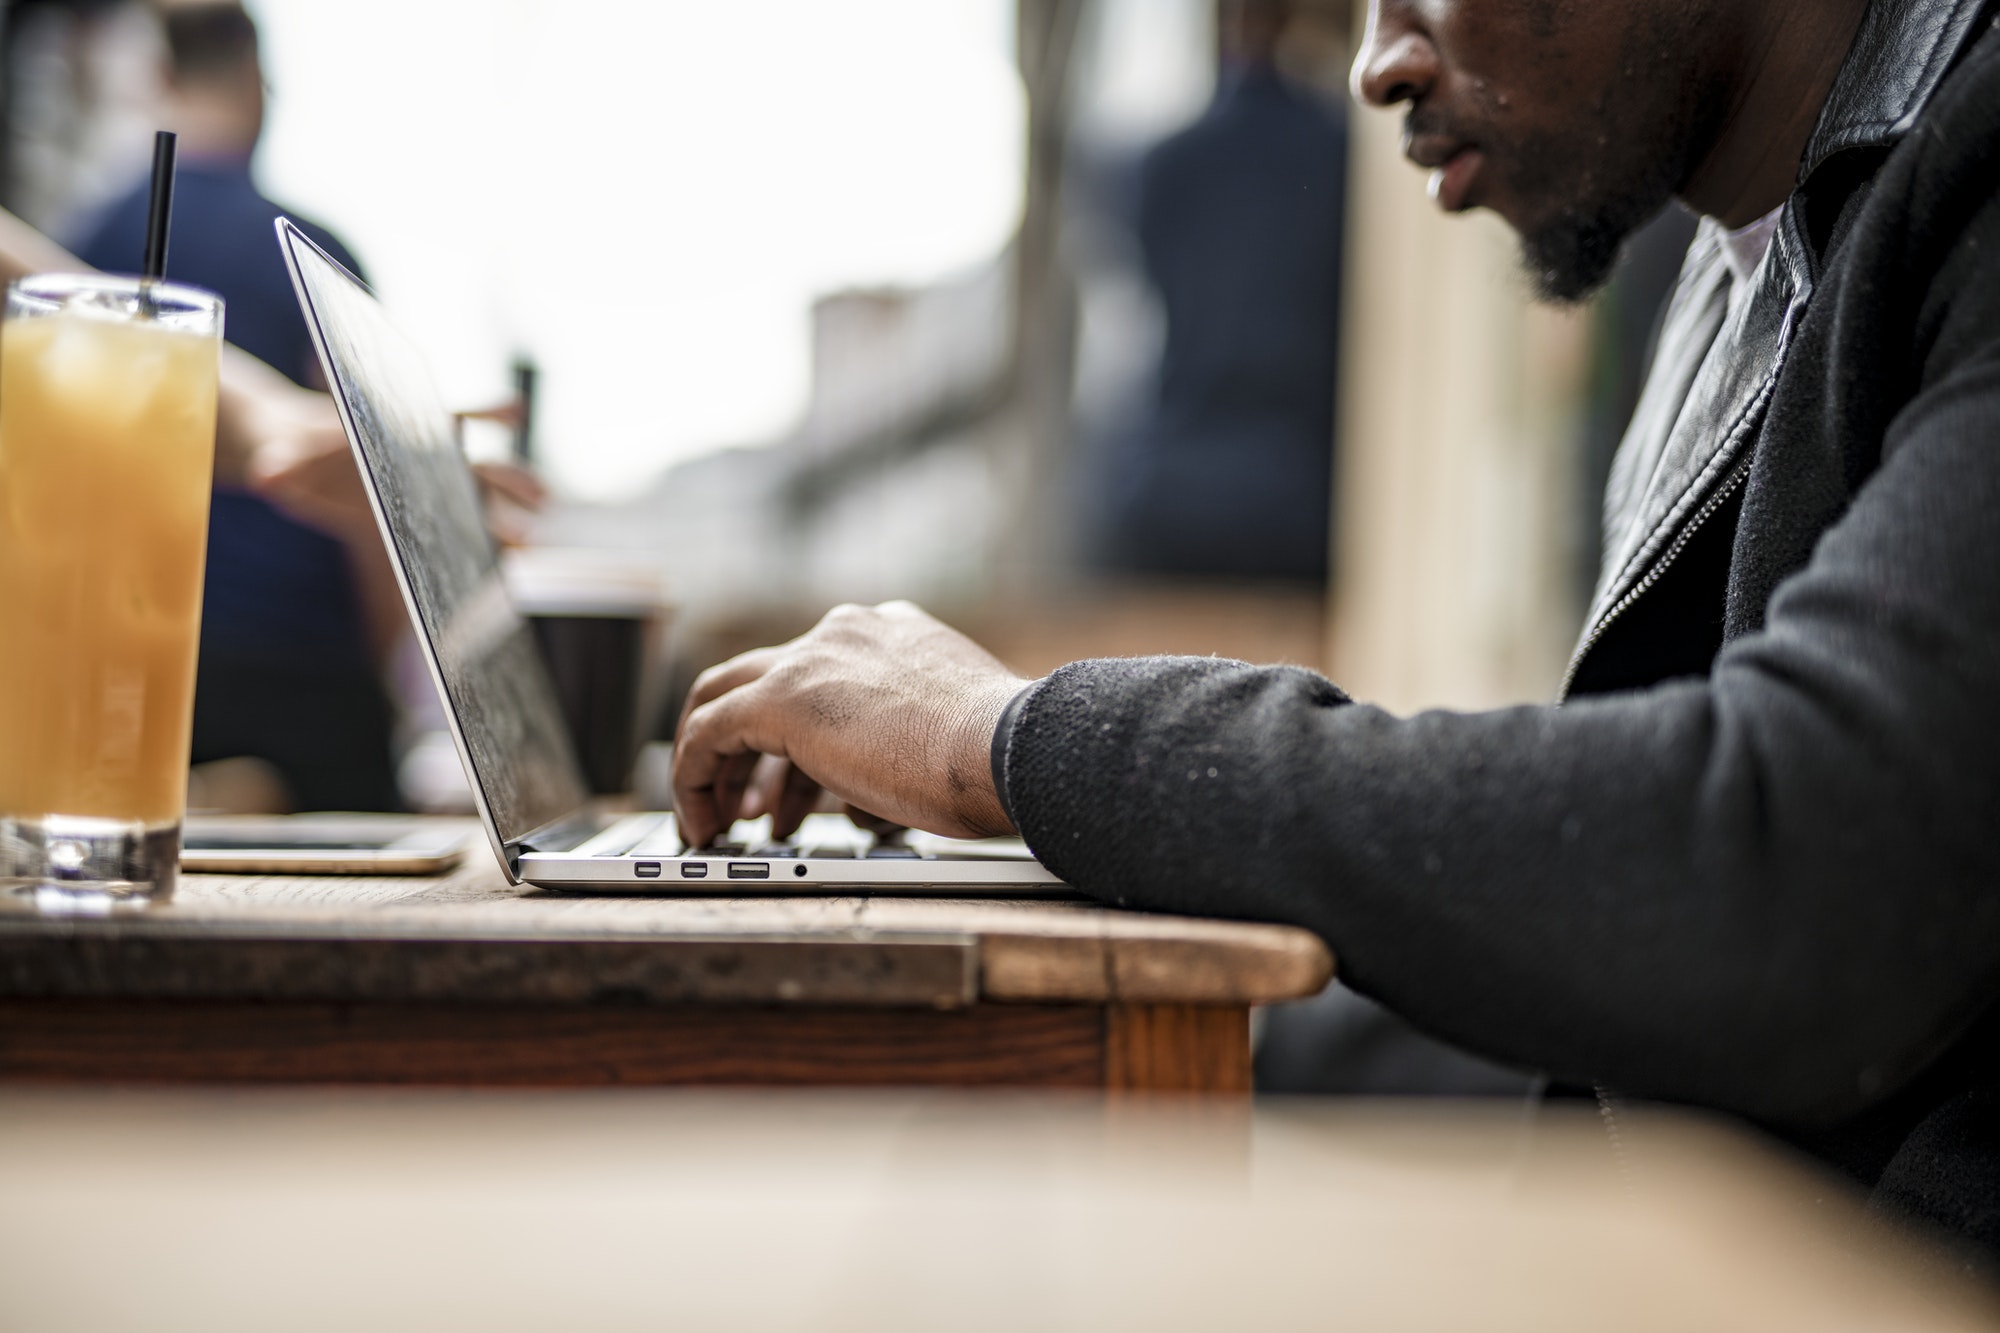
<point>645,197</point>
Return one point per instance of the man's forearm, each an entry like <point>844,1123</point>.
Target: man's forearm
<point>23,250</point>
<point>252,402</point>
<point>1679,893</point>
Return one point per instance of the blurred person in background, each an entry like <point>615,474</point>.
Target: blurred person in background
<point>1228,469</point>
<point>296,617</point>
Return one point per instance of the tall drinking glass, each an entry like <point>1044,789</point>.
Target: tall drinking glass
<point>107,442</point>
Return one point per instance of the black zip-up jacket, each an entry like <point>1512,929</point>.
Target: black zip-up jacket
<point>1753,861</point>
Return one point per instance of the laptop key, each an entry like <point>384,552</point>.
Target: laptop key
<point>621,837</point>
<point>894,854</point>
<point>776,850</point>
<point>663,840</point>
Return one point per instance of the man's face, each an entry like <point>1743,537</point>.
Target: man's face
<point>1575,120</point>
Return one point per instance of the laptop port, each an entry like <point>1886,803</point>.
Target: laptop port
<point>749,870</point>
<point>647,870</point>
<point>694,870</point>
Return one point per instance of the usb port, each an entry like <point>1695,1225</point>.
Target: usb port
<point>749,870</point>
<point>647,870</point>
<point>694,870</point>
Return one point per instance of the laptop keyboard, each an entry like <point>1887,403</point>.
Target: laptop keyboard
<point>656,835</point>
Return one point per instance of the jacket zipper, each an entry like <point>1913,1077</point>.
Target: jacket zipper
<point>1609,1104</point>
<point>1607,1100</point>
<point>1715,501</point>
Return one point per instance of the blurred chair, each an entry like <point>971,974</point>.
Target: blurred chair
<point>1339,1042</point>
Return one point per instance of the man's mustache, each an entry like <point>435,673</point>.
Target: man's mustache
<point>1430,122</point>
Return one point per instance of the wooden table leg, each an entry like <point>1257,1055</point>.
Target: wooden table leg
<point>1177,1048</point>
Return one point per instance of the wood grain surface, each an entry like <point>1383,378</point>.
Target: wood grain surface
<point>473,937</point>
<point>172,962</point>
<point>1022,1046</point>
<point>1176,1048</point>
<point>1121,1048</point>
<point>466,979</point>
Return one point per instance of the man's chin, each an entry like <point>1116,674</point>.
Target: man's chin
<point>1568,259</point>
<point>1566,264</point>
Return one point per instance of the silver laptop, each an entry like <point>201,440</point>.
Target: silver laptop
<point>503,712</point>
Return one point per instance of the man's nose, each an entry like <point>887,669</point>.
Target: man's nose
<point>1396,62</point>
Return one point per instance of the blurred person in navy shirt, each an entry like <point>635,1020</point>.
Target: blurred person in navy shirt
<point>1228,469</point>
<point>289,650</point>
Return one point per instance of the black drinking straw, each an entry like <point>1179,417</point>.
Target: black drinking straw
<point>160,209</point>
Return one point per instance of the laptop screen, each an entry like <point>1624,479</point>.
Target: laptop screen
<point>504,714</point>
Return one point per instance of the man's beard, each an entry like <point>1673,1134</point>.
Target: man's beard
<point>1574,255</point>
<point>1571,252</point>
<point>1620,189</point>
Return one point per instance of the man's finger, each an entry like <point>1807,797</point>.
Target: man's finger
<point>705,807</point>
<point>765,783</point>
<point>732,779</point>
<point>796,796</point>
<point>714,757</point>
<point>696,763</point>
<point>875,824</point>
<point>514,482</point>
<point>694,801</point>
<point>717,681</point>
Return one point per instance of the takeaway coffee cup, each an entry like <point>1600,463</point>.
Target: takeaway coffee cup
<point>601,619</point>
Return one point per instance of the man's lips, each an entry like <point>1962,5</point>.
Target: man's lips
<point>1452,180</point>
<point>1453,163</point>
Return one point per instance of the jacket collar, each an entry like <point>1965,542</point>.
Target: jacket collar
<point>1901,55</point>
<point>1694,437</point>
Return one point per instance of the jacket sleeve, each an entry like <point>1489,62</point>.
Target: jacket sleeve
<point>1775,889</point>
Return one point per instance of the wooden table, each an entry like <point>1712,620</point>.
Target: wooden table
<point>468,980</point>
<point>339,1209</point>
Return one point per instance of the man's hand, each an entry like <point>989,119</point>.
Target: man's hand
<point>300,462</point>
<point>292,452</point>
<point>305,468</point>
<point>513,497</point>
<point>883,706</point>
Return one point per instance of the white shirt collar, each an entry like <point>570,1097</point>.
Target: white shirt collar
<point>1743,249</point>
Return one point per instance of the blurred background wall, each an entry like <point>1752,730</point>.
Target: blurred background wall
<point>854,301</point>
<point>1462,443</point>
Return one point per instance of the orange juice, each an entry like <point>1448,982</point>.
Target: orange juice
<point>107,441</point>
